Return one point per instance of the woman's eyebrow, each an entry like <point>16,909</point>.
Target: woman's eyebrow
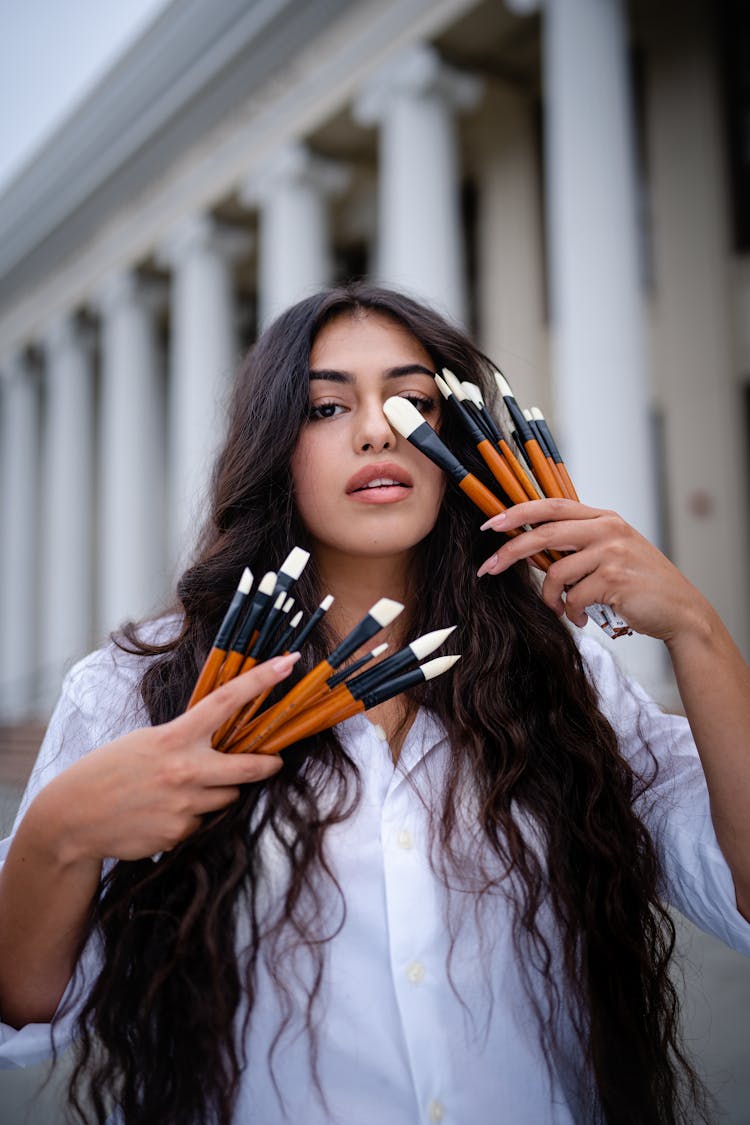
<point>332,376</point>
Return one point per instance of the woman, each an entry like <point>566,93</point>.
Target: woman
<point>448,911</point>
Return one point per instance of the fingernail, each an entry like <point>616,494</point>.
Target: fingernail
<point>284,663</point>
<point>487,566</point>
<point>493,522</point>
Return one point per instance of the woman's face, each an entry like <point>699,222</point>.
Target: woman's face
<point>360,488</point>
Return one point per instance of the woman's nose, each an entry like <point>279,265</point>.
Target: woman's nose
<point>373,433</point>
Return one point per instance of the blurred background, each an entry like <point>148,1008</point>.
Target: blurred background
<point>570,179</point>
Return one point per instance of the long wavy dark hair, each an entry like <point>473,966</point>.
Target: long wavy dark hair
<point>158,1031</point>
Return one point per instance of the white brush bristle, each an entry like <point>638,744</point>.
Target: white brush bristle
<point>295,562</point>
<point>380,649</point>
<point>454,384</point>
<point>246,582</point>
<point>428,642</point>
<point>528,416</point>
<point>267,582</point>
<point>296,619</point>
<point>403,415</point>
<point>287,605</point>
<point>536,414</point>
<point>437,666</point>
<point>327,602</point>
<point>385,611</point>
<point>279,601</point>
<point>473,392</point>
<point>503,385</point>
<point>443,386</point>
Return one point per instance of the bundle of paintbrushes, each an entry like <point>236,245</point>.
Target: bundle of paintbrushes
<point>257,627</point>
<point>543,473</point>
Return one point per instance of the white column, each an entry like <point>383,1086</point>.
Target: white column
<point>203,357</point>
<point>510,289</point>
<point>19,591</point>
<point>132,459</point>
<point>67,594</point>
<point>294,251</point>
<point>414,99</point>
<point>601,375</point>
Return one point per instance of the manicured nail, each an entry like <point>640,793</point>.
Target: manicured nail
<point>493,522</point>
<point>285,663</point>
<point>487,566</point>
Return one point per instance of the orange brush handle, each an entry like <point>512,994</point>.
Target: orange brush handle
<point>542,470</point>
<point>500,471</point>
<point>518,469</point>
<point>488,503</point>
<point>302,726</point>
<point>276,716</point>
<point>207,678</point>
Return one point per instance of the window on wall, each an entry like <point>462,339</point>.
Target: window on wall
<point>735,34</point>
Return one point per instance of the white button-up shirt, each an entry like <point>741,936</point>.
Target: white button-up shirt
<point>424,1016</point>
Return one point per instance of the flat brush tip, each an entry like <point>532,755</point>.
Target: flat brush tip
<point>536,414</point>
<point>295,562</point>
<point>296,619</point>
<point>528,416</point>
<point>385,611</point>
<point>403,415</point>
<point>380,649</point>
<point>246,581</point>
<point>287,605</point>
<point>267,582</point>
<point>327,602</point>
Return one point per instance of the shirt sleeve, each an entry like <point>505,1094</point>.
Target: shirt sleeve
<point>674,804</point>
<point>97,703</point>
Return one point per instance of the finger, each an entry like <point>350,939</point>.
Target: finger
<point>208,715</point>
<point>564,574</point>
<point>238,769</point>
<point>540,511</point>
<point>569,535</point>
<point>588,591</point>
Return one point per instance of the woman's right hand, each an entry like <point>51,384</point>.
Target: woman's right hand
<point>146,791</point>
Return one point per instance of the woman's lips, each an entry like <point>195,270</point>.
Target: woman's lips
<point>381,494</point>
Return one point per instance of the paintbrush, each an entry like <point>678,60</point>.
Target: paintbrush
<point>336,710</point>
<point>237,660</point>
<point>544,429</point>
<point>474,396</point>
<point>382,614</point>
<point>212,666</point>
<point>407,421</point>
<point>528,441</point>
<point>449,385</point>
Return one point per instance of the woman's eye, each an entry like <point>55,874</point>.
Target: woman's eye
<point>324,410</point>
<point>423,403</point>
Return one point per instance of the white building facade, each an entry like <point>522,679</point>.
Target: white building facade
<point>555,175</point>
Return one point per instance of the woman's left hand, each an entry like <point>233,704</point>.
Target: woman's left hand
<point>610,562</point>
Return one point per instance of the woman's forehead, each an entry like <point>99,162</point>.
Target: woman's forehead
<point>354,338</point>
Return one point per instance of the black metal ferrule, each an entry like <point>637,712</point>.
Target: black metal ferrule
<point>271,623</point>
<point>369,680</point>
<point>280,646</point>
<point>523,428</point>
<point>393,687</point>
<point>230,620</point>
<point>307,629</point>
<point>361,633</point>
<point>545,431</point>
<point>427,442</point>
<point>252,619</point>
<point>342,674</point>
<point>493,430</point>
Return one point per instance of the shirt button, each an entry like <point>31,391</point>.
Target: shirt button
<point>415,972</point>
<point>405,839</point>
<point>436,1110</point>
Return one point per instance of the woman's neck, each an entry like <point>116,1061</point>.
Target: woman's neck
<point>357,583</point>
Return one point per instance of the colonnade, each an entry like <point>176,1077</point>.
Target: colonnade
<point>103,473</point>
